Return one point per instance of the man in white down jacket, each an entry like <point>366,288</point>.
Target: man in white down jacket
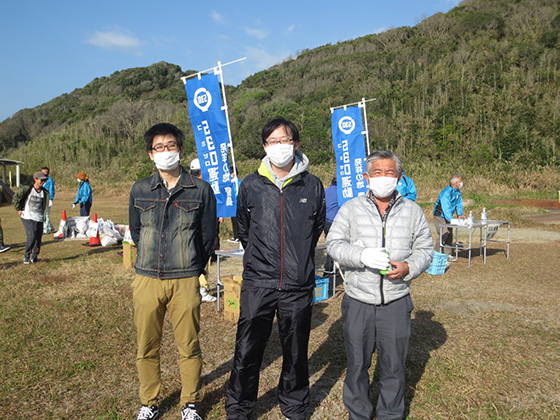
<point>384,241</point>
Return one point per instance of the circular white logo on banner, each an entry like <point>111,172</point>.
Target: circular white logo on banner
<point>346,124</point>
<point>202,99</point>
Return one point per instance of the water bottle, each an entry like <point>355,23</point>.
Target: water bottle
<point>470,220</point>
<point>484,216</point>
<point>384,272</point>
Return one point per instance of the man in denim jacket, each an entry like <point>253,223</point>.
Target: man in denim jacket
<point>172,218</point>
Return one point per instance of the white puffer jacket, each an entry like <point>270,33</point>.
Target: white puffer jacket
<point>407,238</point>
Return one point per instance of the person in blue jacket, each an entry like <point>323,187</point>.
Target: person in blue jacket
<point>448,202</point>
<point>49,186</point>
<point>331,202</point>
<point>406,187</point>
<point>84,197</point>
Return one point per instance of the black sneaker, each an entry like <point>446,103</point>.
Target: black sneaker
<point>34,260</point>
<point>26,260</point>
<point>4,248</point>
<point>189,412</point>
<point>148,413</point>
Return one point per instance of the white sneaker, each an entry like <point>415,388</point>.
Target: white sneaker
<point>189,413</point>
<point>148,413</point>
<point>206,297</point>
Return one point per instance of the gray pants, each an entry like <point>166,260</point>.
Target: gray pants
<point>446,237</point>
<point>34,233</point>
<point>367,328</point>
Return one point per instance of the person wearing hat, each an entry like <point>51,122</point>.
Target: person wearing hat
<point>31,202</point>
<point>84,197</point>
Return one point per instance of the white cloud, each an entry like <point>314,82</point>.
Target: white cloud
<point>257,33</point>
<point>217,17</point>
<point>291,28</point>
<point>115,41</point>
<point>263,59</point>
<point>381,30</point>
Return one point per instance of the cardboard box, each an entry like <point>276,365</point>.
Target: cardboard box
<point>232,294</point>
<point>129,254</point>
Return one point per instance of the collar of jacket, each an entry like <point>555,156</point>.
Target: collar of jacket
<point>263,171</point>
<point>185,180</point>
<point>394,197</point>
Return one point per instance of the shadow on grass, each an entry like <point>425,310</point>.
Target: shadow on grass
<point>19,248</point>
<point>426,335</point>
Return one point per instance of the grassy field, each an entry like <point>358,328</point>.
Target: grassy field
<point>485,341</point>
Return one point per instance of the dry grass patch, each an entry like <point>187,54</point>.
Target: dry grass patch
<point>485,341</point>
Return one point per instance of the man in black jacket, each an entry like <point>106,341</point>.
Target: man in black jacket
<point>281,214</point>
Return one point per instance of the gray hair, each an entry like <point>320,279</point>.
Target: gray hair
<point>384,154</point>
<point>455,178</point>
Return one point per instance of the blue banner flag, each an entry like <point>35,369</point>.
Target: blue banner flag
<point>349,147</point>
<point>209,124</point>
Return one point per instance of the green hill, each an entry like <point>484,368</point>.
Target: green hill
<point>478,85</point>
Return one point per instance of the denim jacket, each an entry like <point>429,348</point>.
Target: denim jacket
<point>174,231</point>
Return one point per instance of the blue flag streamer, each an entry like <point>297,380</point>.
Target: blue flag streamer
<point>210,129</point>
<point>349,147</point>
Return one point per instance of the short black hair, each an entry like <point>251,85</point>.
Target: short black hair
<point>163,129</point>
<point>272,125</point>
<point>45,167</point>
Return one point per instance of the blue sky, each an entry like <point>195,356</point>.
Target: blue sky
<point>53,47</point>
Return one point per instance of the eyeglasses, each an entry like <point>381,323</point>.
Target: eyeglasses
<point>172,147</point>
<point>272,141</point>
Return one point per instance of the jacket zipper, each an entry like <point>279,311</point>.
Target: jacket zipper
<point>384,224</point>
<point>281,238</point>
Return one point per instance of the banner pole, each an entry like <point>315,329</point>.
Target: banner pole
<point>225,109</point>
<point>363,106</point>
<point>184,78</point>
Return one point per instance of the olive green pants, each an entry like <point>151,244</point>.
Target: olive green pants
<point>152,297</point>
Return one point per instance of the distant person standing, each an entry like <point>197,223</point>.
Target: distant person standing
<point>3,248</point>
<point>84,197</point>
<point>448,202</point>
<point>331,201</point>
<point>31,202</point>
<point>406,187</point>
<point>49,186</point>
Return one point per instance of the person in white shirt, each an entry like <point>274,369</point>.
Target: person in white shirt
<point>31,202</point>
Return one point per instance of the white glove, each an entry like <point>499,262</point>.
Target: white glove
<point>50,203</point>
<point>377,258</point>
<point>74,205</point>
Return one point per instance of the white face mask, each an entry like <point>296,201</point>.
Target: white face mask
<point>382,186</point>
<point>460,185</point>
<point>166,161</point>
<point>280,154</point>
